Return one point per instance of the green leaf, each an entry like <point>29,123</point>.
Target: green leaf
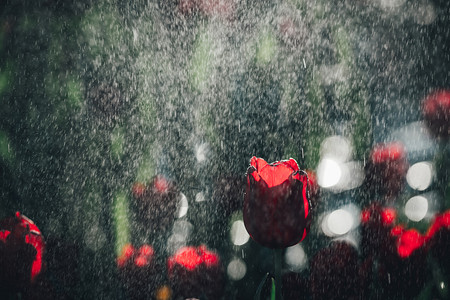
<point>120,215</point>
<point>266,48</point>
<point>6,152</point>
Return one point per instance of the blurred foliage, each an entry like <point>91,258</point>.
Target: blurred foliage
<point>96,95</point>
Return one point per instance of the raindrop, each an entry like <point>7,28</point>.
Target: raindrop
<point>420,175</point>
<point>236,269</point>
<point>416,208</point>
<point>239,235</point>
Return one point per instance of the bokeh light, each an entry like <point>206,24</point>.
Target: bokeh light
<point>420,175</point>
<point>238,233</point>
<point>175,242</point>
<point>295,258</point>
<point>390,4</point>
<point>183,228</point>
<point>236,269</point>
<point>337,147</point>
<point>200,197</point>
<point>180,233</point>
<point>340,221</point>
<point>416,208</point>
<point>328,173</point>
<point>425,13</point>
<point>183,206</point>
<point>201,152</point>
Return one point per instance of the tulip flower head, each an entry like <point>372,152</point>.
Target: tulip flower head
<point>196,272</point>
<point>138,271</point>
<point>377,222</point>
<point>386,169</point>
<point>276,205</point>
<point>438,238</point>
<point>21,251</point>
<point>408,242</point>
<point>155,204</point>
<point>436,111</point>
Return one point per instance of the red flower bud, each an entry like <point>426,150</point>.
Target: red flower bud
<point>138,271</point>
<point>401,272</point>
<point>386,169</point>
<point>408,242</point>
<point>376,225</point>
<point>21,252</point>
<point>436,111</point>
<point>138,190</point>
<point>438,238</point>
<point>276,205</point>
<point>155,204</point>
<point>196,272</point>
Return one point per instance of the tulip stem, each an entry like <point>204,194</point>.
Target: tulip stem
<point>278,256</point>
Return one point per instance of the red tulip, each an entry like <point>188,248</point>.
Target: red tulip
<point>376,225</point>
<point>21,252</point>
<point>138,271</point>
<point>408,242</point>
<point>440,222</point>
<point>386,169</point>
<point>436,111</point>
<point>276,205</point>
<point>401,272</point>
<point>438,238</point>
<point>138,190</point>
<point>196,272</point>
<point>156,203</point>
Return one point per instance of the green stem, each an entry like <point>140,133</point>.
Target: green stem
<point>278,256</point>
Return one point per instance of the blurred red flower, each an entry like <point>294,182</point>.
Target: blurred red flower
<point>436,112</point>
<point>437,238</point>
<point>155,204</point>
<point>196,272</point>
<point>386,169</point>
<point>276,205</point>
<point>377,222</point>
<point>21,252</point>
<point>138,271</point>
<point>409,241</point>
